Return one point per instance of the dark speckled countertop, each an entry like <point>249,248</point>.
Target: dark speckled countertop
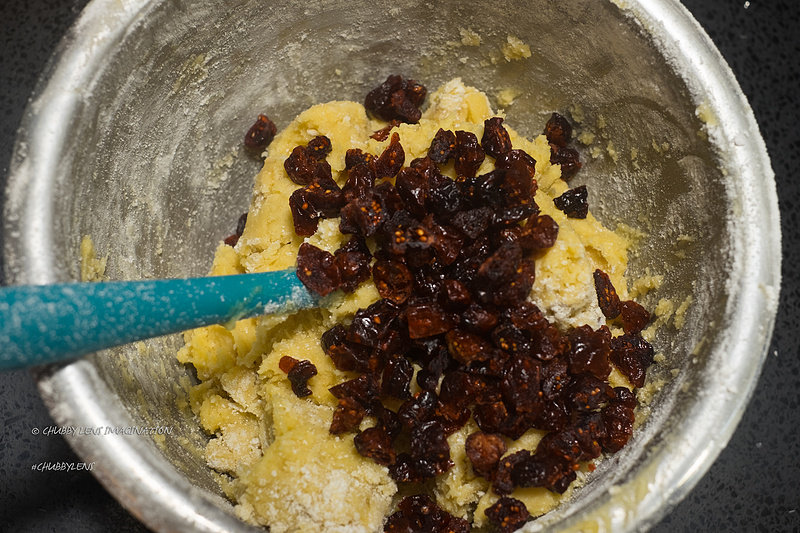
<point>755,483</point>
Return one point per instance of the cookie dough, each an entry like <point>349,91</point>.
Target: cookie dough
<point>284,469</point>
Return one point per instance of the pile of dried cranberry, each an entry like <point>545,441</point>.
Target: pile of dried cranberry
<point>454,265</point>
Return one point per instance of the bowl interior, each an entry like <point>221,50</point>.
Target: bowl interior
<point>155,172</point>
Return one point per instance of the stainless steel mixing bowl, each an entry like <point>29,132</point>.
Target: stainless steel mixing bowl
<point>134,137</point>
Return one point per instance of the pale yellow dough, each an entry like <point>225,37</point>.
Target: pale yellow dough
<point>287,471</point>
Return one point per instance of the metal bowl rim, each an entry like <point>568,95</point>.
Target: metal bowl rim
<point>161,498</point>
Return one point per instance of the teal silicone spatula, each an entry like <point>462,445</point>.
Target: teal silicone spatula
<point>49,323</point>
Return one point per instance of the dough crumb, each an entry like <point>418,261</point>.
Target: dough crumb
<point>645,284</point>
<point>93,268</point>
<point>680,313</point>
<point>515,49</point>
<point>586,137</point>
<point>469,37</point>
<point>506,97</point>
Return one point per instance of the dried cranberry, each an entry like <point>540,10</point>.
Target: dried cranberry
<point>260,134</point>
<point>298,372</point>
<point>362,216</point>
<point>419,514</point>
<point>537,470</point>
<point>305,216</point>
<point>383,133</point>
<point>563,445</point>
<point>429,170</point>
<point>406,235</point>
<point>412,187</point>
<point>554,378</point>
<point>510,216</point>
<point>300,165</point>
<point>393,280</point>
<point>456,525</point>
<point>391,159</point>
<point>558,130</point>
<point>457,389</point>
<point>376,444</point>
<point>470,188</point>
<point>590,431</point>
<point>521,383</point>
<point>466,347</point>
<point>468,153</point>
<point>553,417</point>
<point>405,469</point>
<point>511,339</point>
<point>455,295</point>
<point>386,419</point>
<point>240,224</point>
<point>631,354</point>
<point>286,363</point>
<point>427,319</point>
<point>396,98</point>
<point>514,158</point>
<point>548,343</point>
<point>347,416</point>
<point>444,199</point>
<point>473,222</point>
<point>317,269</point>
<point>588,393</point>
<point>568,159</point>
<point>363,389</point>
<point>355,156</point>
<point>520,286</point>
<point>508,513</point>
<point>618,421</point>
<point>442,146</point>
<point>333,342</point>
<point>479,319</point>
<point>634,316</point>
<point>418,409</point>
<point>509,234</point>
<point>540,232</point>
<point>490,417</point>
<point>502,481</point>
<point>527,317</point>
<point>319,147</point>
<point>299,376</point>
<point>625,397</point>
<point>607,296</point>
<point>566,479</point>
<point>360,180</point>
<point>574,202</point>
<point>427,280</point>
<point>500,267</point>
<point>589,351</point>
<point>495,140</point>
<point>484,451</point>
<point>491,189</point>
<point>397,377</point>
<point>353,260</point>
<point>429,444</point>
<point>447,242</point>
<point>324,194</point>
<point>345,356</point>
<point>371,324</point>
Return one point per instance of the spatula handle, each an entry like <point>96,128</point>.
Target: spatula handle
<point>48,323</point>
